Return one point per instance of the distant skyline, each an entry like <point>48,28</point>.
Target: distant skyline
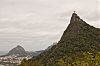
<point>36,24</point>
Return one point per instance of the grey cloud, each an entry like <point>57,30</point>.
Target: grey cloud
<point>95,16</point>
<point>35,22</point>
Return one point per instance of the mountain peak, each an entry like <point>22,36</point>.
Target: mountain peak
<point>75,23</point>
<point>19,50</point>
<point>79,37</point>
<point>76,26</point>
<point>19,46</point>
<point>74,17</point>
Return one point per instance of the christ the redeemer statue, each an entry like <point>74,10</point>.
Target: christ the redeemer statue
<point>74,11</point>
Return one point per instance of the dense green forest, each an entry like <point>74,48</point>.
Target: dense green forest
<point>88,59</point>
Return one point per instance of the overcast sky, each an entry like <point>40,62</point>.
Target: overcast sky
<point>36,24</point>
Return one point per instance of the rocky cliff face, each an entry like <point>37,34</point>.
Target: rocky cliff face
<point>80,36</point>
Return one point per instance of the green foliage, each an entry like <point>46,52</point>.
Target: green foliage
<point>88,59</point>
<point>60,63</point>
<point>30,63</point>
<point>24,63</point>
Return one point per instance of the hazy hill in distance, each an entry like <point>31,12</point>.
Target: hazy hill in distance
<point>78,38</point>
<point>21,52</point>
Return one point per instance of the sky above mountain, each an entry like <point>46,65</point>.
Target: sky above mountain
<point>36,24</point>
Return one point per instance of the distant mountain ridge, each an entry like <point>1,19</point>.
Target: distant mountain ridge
<point>35,53</point>
<point>20,52</point>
